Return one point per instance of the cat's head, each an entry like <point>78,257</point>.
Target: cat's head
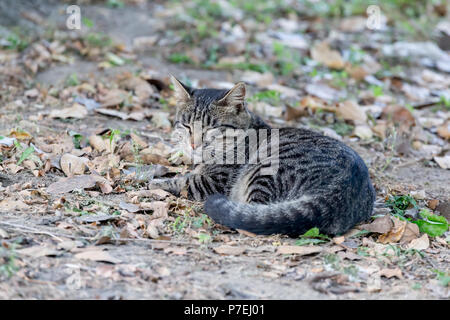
<point>214,108</point>
<point>203,113</point>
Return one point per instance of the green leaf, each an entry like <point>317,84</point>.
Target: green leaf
<point>87,22</point>
<point>311,233</point>
<point>432,224</point>
<point>115,59</point>
<point>443,277</point>
<point>28,151</point>
<point>76,139</point>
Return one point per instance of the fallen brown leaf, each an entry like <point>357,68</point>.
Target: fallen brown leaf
<point>229,250</point>
<point>72,165</point>
<point>39,251</point>
<point>322,53</point>
<point>96,255</point>
<point>300,250</point>
<point>65,185</point>
<point>379,225</point>
<point>389,273</point>
<point>421,243</point>
<point>76,111</point>
<point>395,234</point>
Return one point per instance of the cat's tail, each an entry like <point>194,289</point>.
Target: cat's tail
<point>293,217</point>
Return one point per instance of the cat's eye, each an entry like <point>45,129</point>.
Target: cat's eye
<point>228,126</point>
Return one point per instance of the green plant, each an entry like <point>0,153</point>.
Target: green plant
<point>180,58</point>
<point>15,42</point>
<point>25,154</point>
<point>377,90</point>
<point>261,68</point>
<point>77,139</point>
<point>72,80</point>
<point>204,238</point>
<point>287,59</point>
<point>98,40</point>
<point>339,78</point>
<point>87,22</point>
<point>342,128</point>
<point>270,96</point>
<point>113,135</point>
<point>312,236</point>
<point>8,261</point>
<point>115,4</point>
<point>201,221</point>
<point>443,277</point>
<point>432,224</point>
<point>399,204</point>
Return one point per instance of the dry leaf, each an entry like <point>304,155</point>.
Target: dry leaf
<point>38,251</point>
<point>105,186</point>
<point>176,250</point>
<point>322,53</point>
<point>389,273</point>
<point>246,233</point>
<point>229,250</point>
<point>421,243</point>
<point>363,132</point>
<point>113,98</point>
<point>159,208</point>
<point>411,232</point>
<point>69,184</point>
<point>399,116</point>
<point>443,162</point>
<point>72,165</point>
<point>256,78</point>
<point>8,205</point>
<point>433,203</point>
<point>324,92</point>
<point>4,234</point>
<point>350,110</point>
<point>395,234</point>
<point>130,207</point>
<point>294,113</point>
<point>339,240</point>
<point>14,168</point>
<point>444,130</point>
<point>379,225</point>
<point>97,142</point>
<point>300,250</point>
<point>75,111</point>
<point>96,255</point>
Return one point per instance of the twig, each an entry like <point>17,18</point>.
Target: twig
<point>30,230</point>
<point>25,229</point>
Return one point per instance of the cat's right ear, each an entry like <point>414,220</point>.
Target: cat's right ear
<point>181,91</point>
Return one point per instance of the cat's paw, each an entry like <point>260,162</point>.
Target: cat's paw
<point>158,184</point>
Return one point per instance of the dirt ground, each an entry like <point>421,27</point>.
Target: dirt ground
<point>102,239</point>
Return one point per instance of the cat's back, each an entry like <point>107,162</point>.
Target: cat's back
<point>311,144</point>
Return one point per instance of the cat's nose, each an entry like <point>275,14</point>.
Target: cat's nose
<point>193,143</point>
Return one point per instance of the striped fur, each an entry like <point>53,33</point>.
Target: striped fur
<point>320,181</point>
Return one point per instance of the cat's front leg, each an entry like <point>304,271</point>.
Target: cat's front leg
<point>172,185</point>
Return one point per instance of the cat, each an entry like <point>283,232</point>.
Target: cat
<point>318,182</point>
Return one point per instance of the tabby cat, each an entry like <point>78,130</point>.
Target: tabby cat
<point>318,182</point>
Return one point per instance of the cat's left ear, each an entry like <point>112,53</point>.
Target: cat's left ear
<point>235,97</point>
<point>181,91</point>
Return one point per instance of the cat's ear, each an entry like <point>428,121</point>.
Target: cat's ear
<point>235,97</point>
<point>181,91</point>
